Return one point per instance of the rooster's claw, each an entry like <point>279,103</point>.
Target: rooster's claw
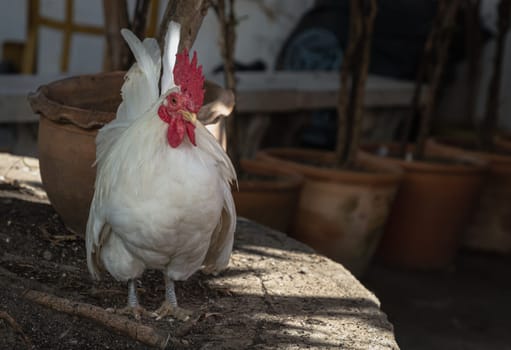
<point>136,311</point>
<point>166,309</point>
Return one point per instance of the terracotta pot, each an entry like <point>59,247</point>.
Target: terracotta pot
<point>341,213</point>
<point>270,197</point>
<point>490,226</point>
<point>71,112</point>
<point>431,209</point>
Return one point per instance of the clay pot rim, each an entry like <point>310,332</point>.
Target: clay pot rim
<point>68,127</point>
<point>382,173</point>
<point>61,113</point>
<point>287,180</point>
<point>216,100</point>
<point>475,164</point>
<point>490,157</point>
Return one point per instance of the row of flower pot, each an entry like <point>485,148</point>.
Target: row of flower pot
<point>411,213</point>
<point>422,208</point>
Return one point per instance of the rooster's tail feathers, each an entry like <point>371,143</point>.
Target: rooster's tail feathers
<point>96,233</point>
<point>140,89</point>
<point>139,92</point>
<point>222,240</point>
<point>169,56</point>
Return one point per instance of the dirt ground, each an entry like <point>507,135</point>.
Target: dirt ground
<point>277,294</point>
<point>55,265</point>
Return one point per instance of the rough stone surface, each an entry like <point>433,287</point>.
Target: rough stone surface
<point>301,299</point>
<point>22,171</point>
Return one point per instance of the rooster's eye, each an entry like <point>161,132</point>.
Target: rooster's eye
<point>173,101</point>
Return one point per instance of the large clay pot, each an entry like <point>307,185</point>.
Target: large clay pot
<point>71,112</point>
<point>431,210</point>
<point>340,213</point>
<point>490,226</point>
<point>268,195</point>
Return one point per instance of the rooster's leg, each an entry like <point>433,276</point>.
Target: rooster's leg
<point>133,307</point>
<point>169,306</point>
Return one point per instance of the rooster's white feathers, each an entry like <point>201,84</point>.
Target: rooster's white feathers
<point>156,206</point>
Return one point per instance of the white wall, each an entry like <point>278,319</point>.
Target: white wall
<point>12,20</point>
<point>260,36</point>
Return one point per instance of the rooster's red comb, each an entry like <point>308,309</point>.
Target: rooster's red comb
<point>190,79</point>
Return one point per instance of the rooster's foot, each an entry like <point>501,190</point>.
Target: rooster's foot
<point>167,309</point>
<point>136,311</point>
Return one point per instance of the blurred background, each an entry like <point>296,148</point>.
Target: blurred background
<point>297,35</point>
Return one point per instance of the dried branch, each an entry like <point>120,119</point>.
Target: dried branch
<point>490,121</point>
<point>362,72</point>
<point>473,42</point>
<point>120,324</point>
<point>227,20</point>
<point>16,327</point>
<point>138,25</point>
<point>422,75</point>
<point>39,264</point>
<point>188,13</point>
<point>442,37</point>
<point>343,108</point>
<point>351,98</point>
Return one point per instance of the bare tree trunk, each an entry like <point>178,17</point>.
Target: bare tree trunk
<point>188,13</point>
<point>443,30</point>
<point>490,122</point>
<point>116,17</point>
<point>362,72</point>
<point>227,20</point>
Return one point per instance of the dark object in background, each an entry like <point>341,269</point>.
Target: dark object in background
<point>320,37</point>
<point>255,66</point>
<point>6,67</point>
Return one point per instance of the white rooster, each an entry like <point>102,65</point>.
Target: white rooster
<point>163,185</point>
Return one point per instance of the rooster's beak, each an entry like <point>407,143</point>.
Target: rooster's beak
<point>189,116</point>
